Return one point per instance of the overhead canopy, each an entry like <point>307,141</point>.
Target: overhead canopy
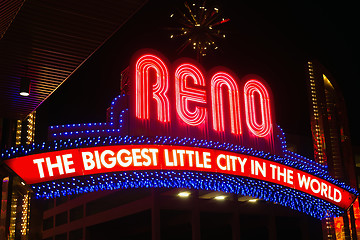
<point>46,41</point>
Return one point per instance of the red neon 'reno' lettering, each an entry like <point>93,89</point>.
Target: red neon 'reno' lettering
<point>185,94</point>
<point>159,89</point>
<point>218,81</point>
<point>251,89</point>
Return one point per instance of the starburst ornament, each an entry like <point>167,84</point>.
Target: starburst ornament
<point>200,27</point>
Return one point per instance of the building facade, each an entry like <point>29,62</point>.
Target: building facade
<point>331,139</point>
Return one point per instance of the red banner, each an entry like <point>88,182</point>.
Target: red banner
<point>86,161</point>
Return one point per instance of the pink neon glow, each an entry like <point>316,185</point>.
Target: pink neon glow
<point>263,128</point>
<point>218,81</point>
<point>159,89</point>
<point>185,94</point>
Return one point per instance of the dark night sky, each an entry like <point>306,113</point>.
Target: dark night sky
<point>270,39</point>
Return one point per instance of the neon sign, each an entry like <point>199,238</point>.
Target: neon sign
<point>186,95</point>
<point>76,162</point>
<point>187,74</point>
<point>179,126</point>
<point>218,81</point>
<point>262,129</point>
<point>183,96</point>
<point>144,65</point>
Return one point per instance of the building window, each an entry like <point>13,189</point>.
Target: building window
<point>76,213</point>
<point>61,218</point>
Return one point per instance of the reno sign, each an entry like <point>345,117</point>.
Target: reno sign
<point>182,99</point>
<point>179,126</point>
